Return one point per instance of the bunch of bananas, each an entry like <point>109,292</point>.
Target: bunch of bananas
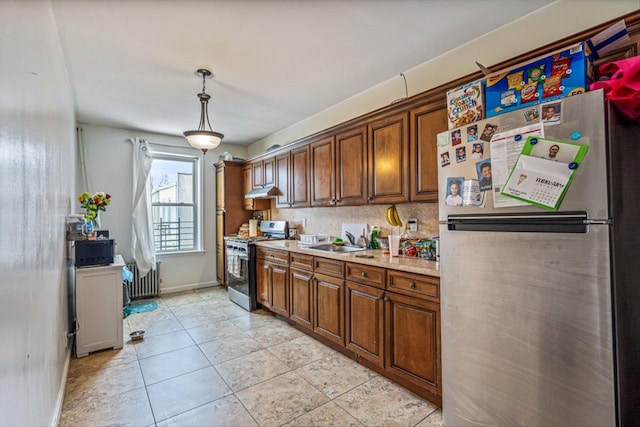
<point>392,216</point>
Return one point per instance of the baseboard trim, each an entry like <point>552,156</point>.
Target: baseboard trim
<point>189,287</point>
<point>61,391</point>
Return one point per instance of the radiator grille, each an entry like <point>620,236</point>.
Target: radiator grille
<point>143,286</point>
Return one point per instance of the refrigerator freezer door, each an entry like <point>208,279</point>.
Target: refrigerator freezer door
<point>526,328</point>
<point>583,122</point>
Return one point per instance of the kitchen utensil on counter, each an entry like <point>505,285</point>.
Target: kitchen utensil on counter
<point>394,245</point>
<point>356,229</point>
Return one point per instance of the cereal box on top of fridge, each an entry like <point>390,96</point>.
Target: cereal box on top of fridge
<point>563,73</point>
<point>465,104</point>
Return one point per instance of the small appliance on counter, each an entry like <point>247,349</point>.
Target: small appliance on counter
<point>90,253</point>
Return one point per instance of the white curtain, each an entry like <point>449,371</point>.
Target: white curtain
<point>142,244</point>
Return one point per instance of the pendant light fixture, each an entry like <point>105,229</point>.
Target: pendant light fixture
<point>202,138</point>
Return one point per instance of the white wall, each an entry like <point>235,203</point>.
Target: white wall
<point>558,20</point>
<point>37,160</point>
<point>107,155</point>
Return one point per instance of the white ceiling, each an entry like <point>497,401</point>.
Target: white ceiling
<point>132,63</point>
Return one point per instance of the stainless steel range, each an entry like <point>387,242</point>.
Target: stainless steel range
<point>241,263</point>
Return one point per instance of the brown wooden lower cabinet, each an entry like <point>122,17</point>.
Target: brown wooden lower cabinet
<point>301,284</point>
<point>365,322</point>
<point>280,289</point>
<point>273,286</point>
<point>387,319</point>
<point>263,274</point>
<point>329,307</point>
<point>412,332</point>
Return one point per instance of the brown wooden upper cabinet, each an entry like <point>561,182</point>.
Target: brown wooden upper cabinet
<point>282,171</point>
<point>292,176</point>
<point>262,173</point>
<point>323,174</point>
<point>351,167</point>
<point>389,159</point>
<point>339,169</point>
<point>247,185</point>
<point>427,122</point>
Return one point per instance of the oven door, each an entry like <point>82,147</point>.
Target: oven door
<point>241,284</point>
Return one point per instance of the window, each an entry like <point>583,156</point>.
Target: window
<point>175,203</point>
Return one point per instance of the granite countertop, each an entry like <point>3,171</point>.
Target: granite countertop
<point>403,263</point>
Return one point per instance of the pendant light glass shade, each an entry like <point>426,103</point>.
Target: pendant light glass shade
<point>203,139</point>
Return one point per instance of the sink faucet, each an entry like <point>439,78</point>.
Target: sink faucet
<point>351,237</point>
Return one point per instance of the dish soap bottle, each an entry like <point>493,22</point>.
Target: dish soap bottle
<point>374,241</point>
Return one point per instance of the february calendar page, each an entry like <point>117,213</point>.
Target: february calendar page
<point>544,171</point>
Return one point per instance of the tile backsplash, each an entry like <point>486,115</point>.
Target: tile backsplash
<point>329,220</point>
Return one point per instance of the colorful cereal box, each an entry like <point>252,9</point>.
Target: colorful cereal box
<point>465,104</point>
<point>565,72</point>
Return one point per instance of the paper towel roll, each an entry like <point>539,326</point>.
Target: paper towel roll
<point>253,227</point>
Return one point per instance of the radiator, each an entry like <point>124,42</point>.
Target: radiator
<point>143,286</point>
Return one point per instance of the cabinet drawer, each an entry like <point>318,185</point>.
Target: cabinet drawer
<point>330,267</point>
<point>301,261</point>
<point>424,287</point>
<point>366,274</point>
<point>272,255</point>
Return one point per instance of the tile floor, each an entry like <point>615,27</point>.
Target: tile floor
<point>206,362</point>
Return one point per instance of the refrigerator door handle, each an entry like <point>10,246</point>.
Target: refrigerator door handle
<point>555,222</point>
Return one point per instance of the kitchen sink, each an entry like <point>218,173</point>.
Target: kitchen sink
<point>330,247</point>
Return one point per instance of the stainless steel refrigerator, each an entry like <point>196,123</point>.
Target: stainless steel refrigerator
<point>541,308</point>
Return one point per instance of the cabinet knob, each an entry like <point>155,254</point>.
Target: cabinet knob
<point>363,274</point>
<point>412,285</point>
<point>386,299</point>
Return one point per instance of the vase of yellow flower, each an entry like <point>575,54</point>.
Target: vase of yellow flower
<point>93,204</point>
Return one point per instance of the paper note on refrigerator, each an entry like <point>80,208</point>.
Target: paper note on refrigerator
<point>505,149</point>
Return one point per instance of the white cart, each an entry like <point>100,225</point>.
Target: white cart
<point>99,307</point>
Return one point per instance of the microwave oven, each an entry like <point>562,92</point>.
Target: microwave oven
<point>89,253</point>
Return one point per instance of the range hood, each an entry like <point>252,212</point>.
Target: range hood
<point>268,192</point>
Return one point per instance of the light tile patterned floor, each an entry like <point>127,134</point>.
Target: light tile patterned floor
<point>206,362</point>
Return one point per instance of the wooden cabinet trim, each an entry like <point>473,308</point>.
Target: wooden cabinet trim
<point>330,267</point>
<point>414,285</point>
<point>366,274</point>
<point>273,255</point>
<point>301,261</point>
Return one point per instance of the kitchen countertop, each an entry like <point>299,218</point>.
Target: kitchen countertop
<point>403,263</point>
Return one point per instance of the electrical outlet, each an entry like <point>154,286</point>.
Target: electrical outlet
<point>303,221</point>
<point>413,224</point>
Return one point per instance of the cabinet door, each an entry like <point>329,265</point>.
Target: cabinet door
<point>426,123</point>
<point>269,173</point>
<point>413,337</point>
<point>263,282</point>
<point>220,188</point>
<point>389,159</point>
<point>247,185</point>
<point>365,322</point>
<point>283,162</point>
<point>323,184</point>
<point>280,289</point>
<point>257,174</point>
<point>351,167</point>
<point>301,297</point>
<point>300,177</point>
<point>329,307</point>
<point>99,308</point>
<point>221,262</point>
